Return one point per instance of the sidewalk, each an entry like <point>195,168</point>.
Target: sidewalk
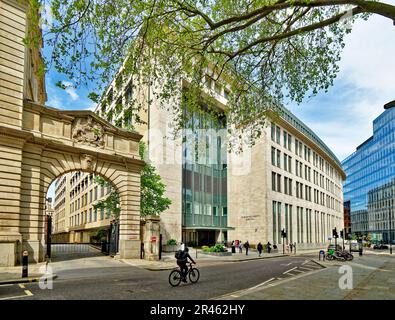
<point>168,261</point>
<point>372,278</point>
<point>11,275</point>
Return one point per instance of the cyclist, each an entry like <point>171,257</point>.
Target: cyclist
<point>182,263</point>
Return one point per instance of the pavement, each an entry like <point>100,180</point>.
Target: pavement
<point>370,278</point>
<point>9,275</point>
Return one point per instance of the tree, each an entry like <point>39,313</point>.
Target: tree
<point>265,52</point>
<point>152,199</point>
<point>110,203</point>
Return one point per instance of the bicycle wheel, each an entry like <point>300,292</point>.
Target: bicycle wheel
<point>194,275</point>
<point>329,257</point>
<point>175,278</point>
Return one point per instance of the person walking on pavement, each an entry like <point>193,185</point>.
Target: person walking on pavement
<point>269,248</point>
<point>295,247</point>
<point>259,247</point>
<point>246,245</point>
<point>240,247</point>
<point>291,247</point>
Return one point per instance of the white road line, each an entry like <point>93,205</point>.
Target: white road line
<point>298,271</point>
<point>6,285</point>
<point>305,262</point>
<point>304,268</point>
<point>289,270</point>
<point>28,293</point>
<point>261,284</point>
<point>286,264</point>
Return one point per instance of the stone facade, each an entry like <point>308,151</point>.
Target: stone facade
<point>308,217</point>
<point>37,145</point>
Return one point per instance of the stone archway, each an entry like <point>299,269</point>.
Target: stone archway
<point>50,144</point>
<point>39,144</point>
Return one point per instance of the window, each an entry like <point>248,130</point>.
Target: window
<point>289,142</point>
<point>285,162</point>
<point>273,156</point>
<point>273,132</point>
<point>274,181</point>
<point>274,218</point>
<point>279,158</point>
<point>278,134</point>
<point>279,182</point>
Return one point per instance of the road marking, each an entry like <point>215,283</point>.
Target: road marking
<point>286,264</point>
<point>6,285</point>
<point>296,270</point>
<point>22,286</point>
<point>28,293</point>
<point>261,284</point>
<point>304,268</point>
<point>289,270</point>
<point>305,262</point>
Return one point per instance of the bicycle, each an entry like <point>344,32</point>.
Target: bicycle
<point>175,276</point>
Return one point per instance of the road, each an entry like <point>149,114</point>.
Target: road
<point>104,278</point>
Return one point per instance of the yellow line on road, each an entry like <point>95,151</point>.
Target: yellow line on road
<point>22,286</point>
<point>28,293</point>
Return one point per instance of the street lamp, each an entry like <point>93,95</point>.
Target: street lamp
<point>49,226</point>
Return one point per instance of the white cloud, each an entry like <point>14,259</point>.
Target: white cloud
<point>343,117</point>
<point>71,90</point>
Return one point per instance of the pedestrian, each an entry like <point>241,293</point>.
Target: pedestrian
<point>259,247</point>
<point>246,245</point>
<point>240,247</point>
<point>295,247</point>
<point>290,247</point>
<point>269,248</point>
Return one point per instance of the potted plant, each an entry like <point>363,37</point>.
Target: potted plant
<point>170,246</point>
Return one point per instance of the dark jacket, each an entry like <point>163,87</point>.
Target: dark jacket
<point>185,258</point>
<point>260,247</point>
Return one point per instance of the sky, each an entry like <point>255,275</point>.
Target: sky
<point>343,116</point>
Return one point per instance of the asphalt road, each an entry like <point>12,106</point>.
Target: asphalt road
<point>110,279</point>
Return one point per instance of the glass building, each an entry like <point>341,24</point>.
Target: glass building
<point>372,165</point>
<point>204,181</point>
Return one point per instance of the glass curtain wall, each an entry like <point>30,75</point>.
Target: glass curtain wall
<point>204,173</point>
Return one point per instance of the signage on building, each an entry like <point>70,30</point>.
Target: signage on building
<point>153,239</point>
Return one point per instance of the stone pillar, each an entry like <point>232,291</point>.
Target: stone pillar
<point>129,231</point>
<point>10,199</point>
<point>151,237</point>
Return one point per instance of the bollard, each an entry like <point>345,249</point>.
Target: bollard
<point>25,262</point>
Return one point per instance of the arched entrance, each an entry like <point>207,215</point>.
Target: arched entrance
<point>55,142</point>
<point>39,144</point>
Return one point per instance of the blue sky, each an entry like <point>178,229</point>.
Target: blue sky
<point>343,116</point>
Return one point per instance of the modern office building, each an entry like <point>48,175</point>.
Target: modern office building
<point>74,215</point>
<point>372,165</point>
<point>347,220</point>
<point>288,180</point>
<point>381,212</point>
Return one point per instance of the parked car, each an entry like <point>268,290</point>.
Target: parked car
<point>380,246</point>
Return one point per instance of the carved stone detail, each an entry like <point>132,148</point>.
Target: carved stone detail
<point>88,162</point>
<point>86,131</point>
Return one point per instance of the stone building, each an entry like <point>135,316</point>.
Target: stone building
<point>74,215</point>
<point>289,180</point>
<point>38,144</point>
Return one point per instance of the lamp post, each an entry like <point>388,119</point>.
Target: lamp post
<point>49,227</point>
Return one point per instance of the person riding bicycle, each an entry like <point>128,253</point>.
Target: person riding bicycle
<point>182,263</point>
